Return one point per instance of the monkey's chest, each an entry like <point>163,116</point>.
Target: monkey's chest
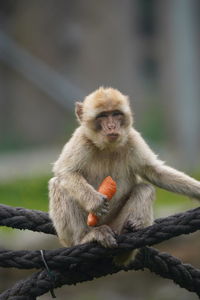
<point>118,169</point>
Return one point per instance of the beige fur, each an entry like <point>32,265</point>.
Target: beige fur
<point>88,158</point>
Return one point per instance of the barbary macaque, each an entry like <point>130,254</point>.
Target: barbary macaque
<point>106,144</point>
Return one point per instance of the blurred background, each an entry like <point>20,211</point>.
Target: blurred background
<point>53,53</point>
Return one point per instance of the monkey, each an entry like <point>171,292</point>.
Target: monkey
<point>107,144</point>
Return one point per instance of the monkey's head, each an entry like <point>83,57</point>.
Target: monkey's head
<point>106,117</point>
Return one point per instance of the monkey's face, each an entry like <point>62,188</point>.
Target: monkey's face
<point>109,129</point>
<point>106,117</point>
<point>109,123</point>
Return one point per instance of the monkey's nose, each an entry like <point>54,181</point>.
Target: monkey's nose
<point>111,126</point>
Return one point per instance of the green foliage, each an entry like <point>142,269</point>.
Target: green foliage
<point>169,199</point>
<point>168,203</point>
<point>30,193</point>
<point>152,124</point>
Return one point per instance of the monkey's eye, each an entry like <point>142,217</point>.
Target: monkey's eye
<point>117,113</point>
<point>101,115</point>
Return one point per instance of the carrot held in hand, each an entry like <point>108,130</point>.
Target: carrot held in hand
<point>108,188</point>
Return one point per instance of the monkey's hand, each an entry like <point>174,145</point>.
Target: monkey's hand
<point>99,205</point>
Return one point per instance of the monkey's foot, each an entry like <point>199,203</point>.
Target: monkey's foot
<point>131,226</point>
<point>102,234</point>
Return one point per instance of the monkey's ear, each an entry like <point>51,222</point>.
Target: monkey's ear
<point>79,111</point>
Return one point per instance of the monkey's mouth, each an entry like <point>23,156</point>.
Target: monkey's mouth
<point>112,136</point>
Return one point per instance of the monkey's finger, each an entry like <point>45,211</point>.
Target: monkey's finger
<point>105,205</point>
<point>101,213</point>
<point>105,208</point>
<point>98,213</point>
<point>103,197</point>
<point>104,211</point>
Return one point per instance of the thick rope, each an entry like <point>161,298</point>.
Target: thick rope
<point>86,257</point>
<point>160,263</point>
<point>64,257</point>
<point>21,218</point>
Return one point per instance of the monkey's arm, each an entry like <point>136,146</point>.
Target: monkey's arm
<point>68,170</point>
<point>156,172</point>
<point>172,180</point>
<point>80,190</point>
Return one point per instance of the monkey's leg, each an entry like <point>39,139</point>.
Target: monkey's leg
<point>69,219</point>
<point>137,212</point>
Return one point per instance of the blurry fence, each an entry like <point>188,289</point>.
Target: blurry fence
<point>59,88</point>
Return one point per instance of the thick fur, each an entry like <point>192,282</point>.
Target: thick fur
<point>88,158</point>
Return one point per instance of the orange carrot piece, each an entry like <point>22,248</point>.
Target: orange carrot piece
<point>92,220</point>
<point>108,188</point>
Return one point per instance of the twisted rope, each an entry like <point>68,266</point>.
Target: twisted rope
<point>85,262</point>
<point>181,223</point>
<point>21,218</point>
<point>162,264</point>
